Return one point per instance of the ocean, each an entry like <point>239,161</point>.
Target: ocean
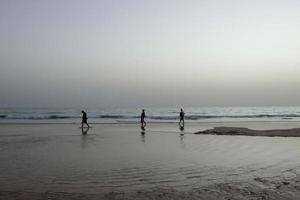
<point>153,115</point>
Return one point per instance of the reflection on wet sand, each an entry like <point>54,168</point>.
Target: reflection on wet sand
<point>84,130</point>
<point>143,139</point>
<point>117,158</point>
<point>181,139</point>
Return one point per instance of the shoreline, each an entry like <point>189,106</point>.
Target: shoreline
<point>195,122</point>
<point>241,131</point>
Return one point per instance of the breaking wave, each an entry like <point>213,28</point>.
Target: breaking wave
<point>153,117</point>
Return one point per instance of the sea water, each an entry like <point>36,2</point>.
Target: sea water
<point>192,114</point>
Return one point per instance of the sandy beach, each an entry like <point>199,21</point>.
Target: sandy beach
<point>294,132</point>
<point>256,189</point>
<point>55,161</point>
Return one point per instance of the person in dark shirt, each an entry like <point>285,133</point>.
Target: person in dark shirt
<point>84,119</point>
<point>181,116</point>
<point>143,123</point>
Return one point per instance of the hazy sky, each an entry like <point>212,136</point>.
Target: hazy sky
<point>126,53</point>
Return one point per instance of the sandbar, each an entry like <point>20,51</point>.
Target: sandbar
<point>294,132</point>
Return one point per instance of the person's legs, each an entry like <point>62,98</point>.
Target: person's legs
<point>143,123</point>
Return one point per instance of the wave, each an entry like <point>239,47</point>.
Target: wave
<point>59,117</point>
<point>152,117</point>
<point>54,113</point>
<point>163,117</point>
<point>197,117</point>
<point>116,117</point>
<point>34,117</point>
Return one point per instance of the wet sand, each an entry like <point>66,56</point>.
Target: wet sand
<point>119,162</point>
<point>256,189</point>
<point>294,132</point>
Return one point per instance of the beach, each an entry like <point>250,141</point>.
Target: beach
<point>119,161</point>
<point>293,132</point>
<point>149,100</point>
<point>258,189</point>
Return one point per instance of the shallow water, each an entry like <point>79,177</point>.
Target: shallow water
<point>120,158</point>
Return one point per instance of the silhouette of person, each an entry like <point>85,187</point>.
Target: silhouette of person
<point>143,123</point>
<point>181,116</point>
<point>84,119</point>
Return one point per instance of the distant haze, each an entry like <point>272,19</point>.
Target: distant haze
<point>135,53</point>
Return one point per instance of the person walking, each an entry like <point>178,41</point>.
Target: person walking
<point>84,119</point>
<point>181,116</point>
<point>143,123</point>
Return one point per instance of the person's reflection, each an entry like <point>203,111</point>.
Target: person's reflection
<point>84,131</point>
<point>181,135</point>
<point>143,138</point>
<point>181,139</point>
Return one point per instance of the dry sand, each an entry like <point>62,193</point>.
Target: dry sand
<point>295,132</point>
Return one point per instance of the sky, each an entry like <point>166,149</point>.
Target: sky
<point>135,53</point>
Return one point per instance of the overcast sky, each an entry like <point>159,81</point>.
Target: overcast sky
<point>133,53</point>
